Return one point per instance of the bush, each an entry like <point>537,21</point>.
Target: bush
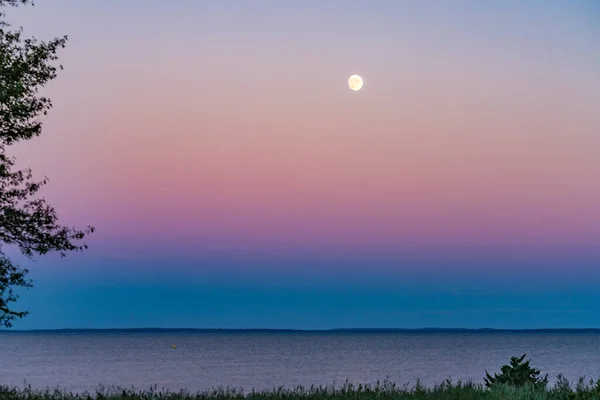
<point>517,373</point>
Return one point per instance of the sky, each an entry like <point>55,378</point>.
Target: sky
<point>235,180</point>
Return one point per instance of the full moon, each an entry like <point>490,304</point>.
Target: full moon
<point>355,82</point>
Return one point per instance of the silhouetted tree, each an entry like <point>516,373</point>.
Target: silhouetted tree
<point>26,221</point>
<point>518,373</point>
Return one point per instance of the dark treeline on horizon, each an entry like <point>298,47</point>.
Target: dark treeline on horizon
<point>339,330</point>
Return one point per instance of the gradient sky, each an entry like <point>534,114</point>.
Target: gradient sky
<point>235,181</point>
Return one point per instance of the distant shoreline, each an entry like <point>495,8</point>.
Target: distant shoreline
<point>349,330</point>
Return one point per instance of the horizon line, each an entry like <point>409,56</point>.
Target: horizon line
<point>282,330</point>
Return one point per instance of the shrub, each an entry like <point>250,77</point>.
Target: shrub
<point>517,373</point>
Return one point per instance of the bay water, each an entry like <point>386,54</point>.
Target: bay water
<point>80,362</point>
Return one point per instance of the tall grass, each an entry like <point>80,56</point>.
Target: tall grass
<point>384,390</point>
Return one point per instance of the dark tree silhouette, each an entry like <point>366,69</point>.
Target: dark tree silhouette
<point>26,221</point>
<point>517,373</point>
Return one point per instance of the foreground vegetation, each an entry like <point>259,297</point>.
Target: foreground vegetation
<point>381,391</point>
<point>516,380</point>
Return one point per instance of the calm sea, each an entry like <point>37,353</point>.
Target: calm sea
<point>81,362</point>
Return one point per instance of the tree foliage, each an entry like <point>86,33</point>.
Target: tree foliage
<point>26,220</point>
<point>517,373</point>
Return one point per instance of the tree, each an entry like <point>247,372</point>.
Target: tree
<point>518,373</point>
<point>26,221</point>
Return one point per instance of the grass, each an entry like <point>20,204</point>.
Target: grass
<point>385,390</point>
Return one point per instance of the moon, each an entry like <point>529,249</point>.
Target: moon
<point>355,82</point>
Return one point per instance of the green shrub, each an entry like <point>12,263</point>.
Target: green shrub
<point>517,373</point>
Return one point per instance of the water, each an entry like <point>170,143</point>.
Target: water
<point>80,362</point>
